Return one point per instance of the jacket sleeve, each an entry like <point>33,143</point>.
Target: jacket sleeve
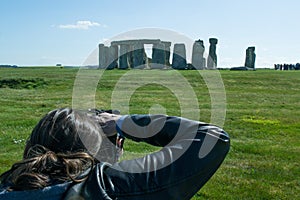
<point>191,153</point>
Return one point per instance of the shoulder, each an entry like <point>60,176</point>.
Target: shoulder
<point>95,186</point>
<point>51,192</point>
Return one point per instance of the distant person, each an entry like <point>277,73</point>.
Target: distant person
<point>69,155</point>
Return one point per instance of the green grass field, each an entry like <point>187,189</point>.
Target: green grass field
<point>262,118</point>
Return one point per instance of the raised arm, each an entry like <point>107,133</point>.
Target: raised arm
<point>191,153</point>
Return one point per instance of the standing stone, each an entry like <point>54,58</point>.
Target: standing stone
<point>112,61</point>
<point>204,63</point>
<point>106,54</point>
<point>123,57</point>
<point>103,56</point>
<point>179,57</point>
<point>167,52</point>
<point>130,55</point>
<point>158,56</point>
<point>139,56</point>
<point>212,57</point>
<point>197,56</point>
<point>250,57</point>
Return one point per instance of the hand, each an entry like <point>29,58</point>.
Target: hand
<point>107,122</point>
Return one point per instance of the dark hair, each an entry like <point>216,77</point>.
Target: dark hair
<point>61,146</point>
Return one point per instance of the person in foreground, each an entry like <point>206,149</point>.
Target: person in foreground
<point>73,154</point>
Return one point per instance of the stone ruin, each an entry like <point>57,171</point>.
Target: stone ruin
<point>131,54</point>
<point>179,57</point>
<point>250,58</point>
<point>212,57</point>
<point>249,62</point>
<point>198,61</point>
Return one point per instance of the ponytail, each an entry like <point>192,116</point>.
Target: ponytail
<point>43,167</point>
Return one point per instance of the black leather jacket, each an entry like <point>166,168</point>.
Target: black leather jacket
<point>191,153</point>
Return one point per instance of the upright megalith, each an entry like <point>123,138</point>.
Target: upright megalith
<point>130,55</point>
<point>179,57</point>
<point>112,61</point>
<point>198,61</point>
<point>212,56</point>
<point>167,52</point>
<point>250,57</point>
<point>103,56</point>
<point>158,56</point>
<point>123,57</point>
<point>139,55</point>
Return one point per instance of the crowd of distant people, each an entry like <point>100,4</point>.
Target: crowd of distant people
<point>287,66</point>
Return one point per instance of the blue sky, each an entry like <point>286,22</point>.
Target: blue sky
<point>67,31</point>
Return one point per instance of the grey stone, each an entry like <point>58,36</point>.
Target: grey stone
<point>241,68</point>
<point>167,52</point>
<point>134,42</point>
<point>197,56</point>
<point>112,61</point>
<point>212,57</point>
<point>103,56</point>
<point>139,56</point>
<point>250,57</point>
<point>123,57</point>
<point>133,55</point>
<point>204,62</point>
<point>130,55</point>
<point>158,56</point>
<point>179,57</point>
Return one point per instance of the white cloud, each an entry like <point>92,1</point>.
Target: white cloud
<point>82,25</point>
